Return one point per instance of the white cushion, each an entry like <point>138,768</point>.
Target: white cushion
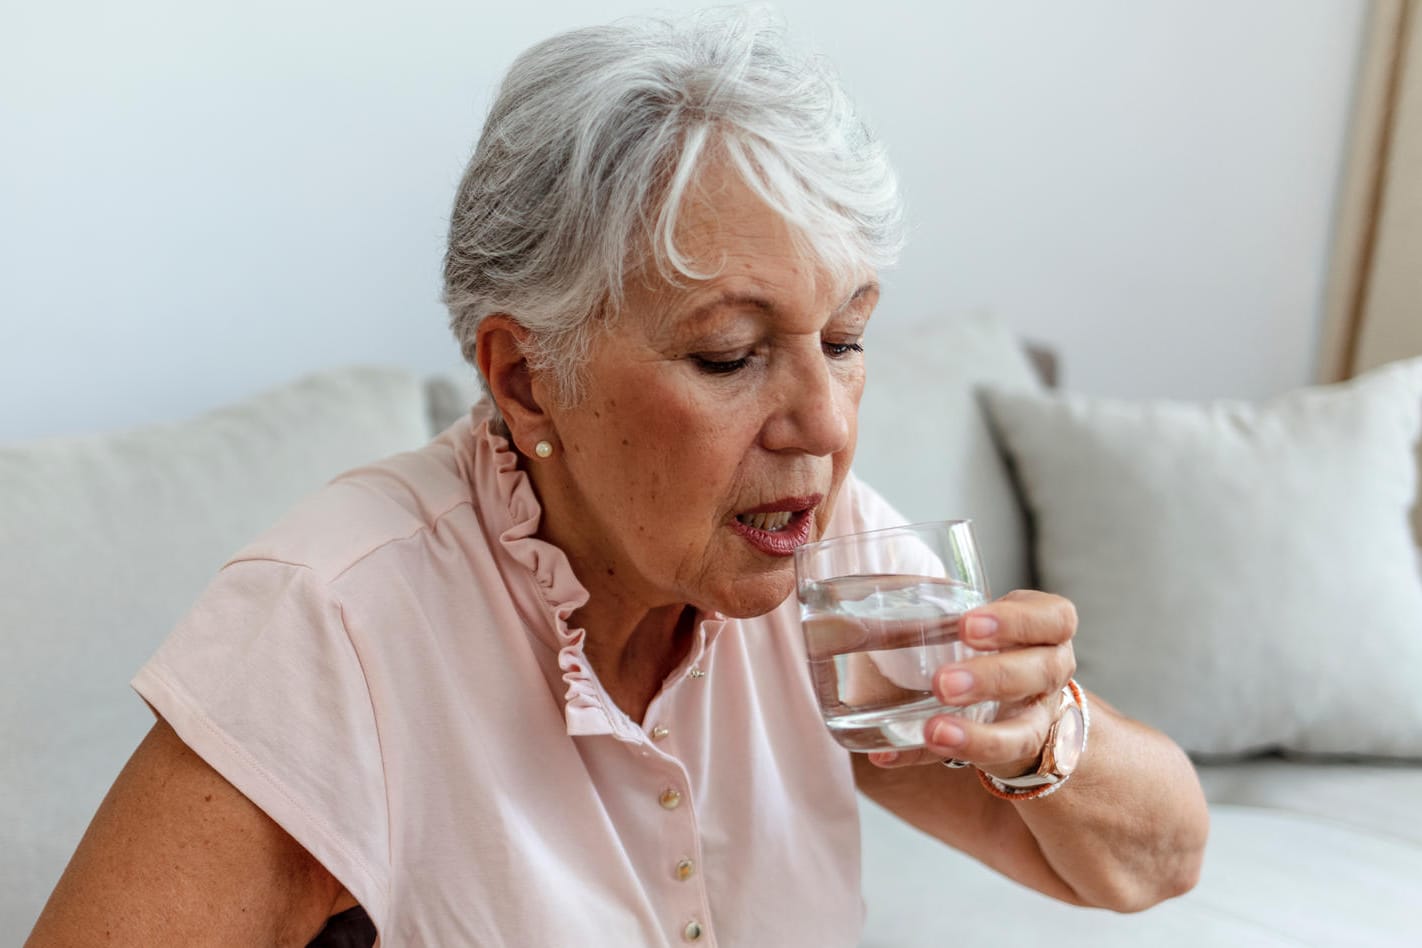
<point>1269,879</point>
<point>923,440</point>
<point>105,542</point>
<point>1372,796</point>
<point>1245,574</point>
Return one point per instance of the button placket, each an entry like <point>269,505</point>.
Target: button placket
<point>685,891</point>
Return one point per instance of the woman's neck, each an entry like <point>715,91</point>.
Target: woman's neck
<point>633,640</point>
<point>633,656</point>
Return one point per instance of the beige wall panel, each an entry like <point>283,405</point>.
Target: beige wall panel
<point>1392,316</point>
<point>1360,189</point>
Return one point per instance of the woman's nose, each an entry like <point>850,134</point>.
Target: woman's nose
<point>813,409</point>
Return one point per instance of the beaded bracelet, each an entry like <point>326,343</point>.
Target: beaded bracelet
<point>1005,791</point>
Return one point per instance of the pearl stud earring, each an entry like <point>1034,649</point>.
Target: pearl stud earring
<point>543,449</point>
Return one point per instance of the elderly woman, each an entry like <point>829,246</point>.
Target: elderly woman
<point>542,681</point>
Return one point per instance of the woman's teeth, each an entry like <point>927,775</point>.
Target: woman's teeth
<point>769,522</point>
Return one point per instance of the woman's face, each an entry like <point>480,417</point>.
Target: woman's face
<point>718,420</point>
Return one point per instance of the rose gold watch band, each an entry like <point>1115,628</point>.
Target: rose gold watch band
<point>1046,779</point>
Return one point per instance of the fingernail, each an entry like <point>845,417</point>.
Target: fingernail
<point>886,758</point>
<point>955,682</point>
<point>947,735</point>
<point>980,628</point>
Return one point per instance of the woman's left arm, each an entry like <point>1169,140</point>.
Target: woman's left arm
<point>1125,831</point>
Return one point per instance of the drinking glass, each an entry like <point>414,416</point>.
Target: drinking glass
<point>881,612</point>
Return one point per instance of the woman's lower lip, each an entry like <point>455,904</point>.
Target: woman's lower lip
<point>781,542</point>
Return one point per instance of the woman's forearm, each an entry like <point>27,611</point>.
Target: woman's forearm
<point>1124,833</point>
<point>1128,830</point>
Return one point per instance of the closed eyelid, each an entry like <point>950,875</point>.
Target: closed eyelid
<point>720,352</point>
<point>729,337</point>
<point>711,365</point>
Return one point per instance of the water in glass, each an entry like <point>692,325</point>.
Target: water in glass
<point>874,643</point>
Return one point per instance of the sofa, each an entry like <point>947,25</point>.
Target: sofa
<point>1310,756</point>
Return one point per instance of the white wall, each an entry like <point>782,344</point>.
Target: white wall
<point>200,199</point>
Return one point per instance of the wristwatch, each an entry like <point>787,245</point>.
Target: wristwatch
<point>1062,751</point>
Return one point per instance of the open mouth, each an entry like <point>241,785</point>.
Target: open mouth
<point>772,522</point>
<point>780,526</point>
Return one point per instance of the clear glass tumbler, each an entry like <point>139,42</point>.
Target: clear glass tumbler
<point>881,612</point>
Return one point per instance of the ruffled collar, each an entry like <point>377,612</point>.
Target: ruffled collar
<point>588,709</point>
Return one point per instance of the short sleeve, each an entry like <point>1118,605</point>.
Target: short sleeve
<point>262,681</point>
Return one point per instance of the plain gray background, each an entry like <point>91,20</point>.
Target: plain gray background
<point>198,200</point>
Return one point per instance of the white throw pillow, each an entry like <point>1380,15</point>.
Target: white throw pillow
<point>923,438</point>
<point>105,541</point>
<point>1245,575</point>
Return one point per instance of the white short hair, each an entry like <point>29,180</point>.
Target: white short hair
<point>595,136</point>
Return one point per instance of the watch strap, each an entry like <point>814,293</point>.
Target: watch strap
<point>1036,785</point>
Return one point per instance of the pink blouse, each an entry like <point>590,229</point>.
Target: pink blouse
<point>390,675</point>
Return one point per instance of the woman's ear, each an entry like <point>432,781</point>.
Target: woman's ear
<point>500,354</point>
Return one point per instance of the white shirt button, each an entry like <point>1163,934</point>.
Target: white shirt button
<point>670,798</point>
<point>684,870</point>
<point>692,931</point>
<point>659,732</point>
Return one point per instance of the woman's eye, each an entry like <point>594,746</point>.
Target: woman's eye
<point>839,350</point>
<point>714,366</point>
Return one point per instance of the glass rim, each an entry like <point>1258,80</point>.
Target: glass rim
<point>814,545</point>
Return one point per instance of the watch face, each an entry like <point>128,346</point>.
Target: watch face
<point>1071,731</point>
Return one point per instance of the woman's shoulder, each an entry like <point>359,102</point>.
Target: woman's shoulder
<point>398,499</point>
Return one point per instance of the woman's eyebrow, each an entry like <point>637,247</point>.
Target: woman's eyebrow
<point>731,300</point>
<point>672,322</point>
<point>871,287</point>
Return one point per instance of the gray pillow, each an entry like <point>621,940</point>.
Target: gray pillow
<point>1245,575</point>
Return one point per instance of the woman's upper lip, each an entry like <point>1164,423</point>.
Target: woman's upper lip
<point>794,504</point>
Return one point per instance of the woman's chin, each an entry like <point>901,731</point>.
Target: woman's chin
<point>756,596</point>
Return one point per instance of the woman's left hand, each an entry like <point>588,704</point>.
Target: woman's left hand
<point>1030,635</point>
